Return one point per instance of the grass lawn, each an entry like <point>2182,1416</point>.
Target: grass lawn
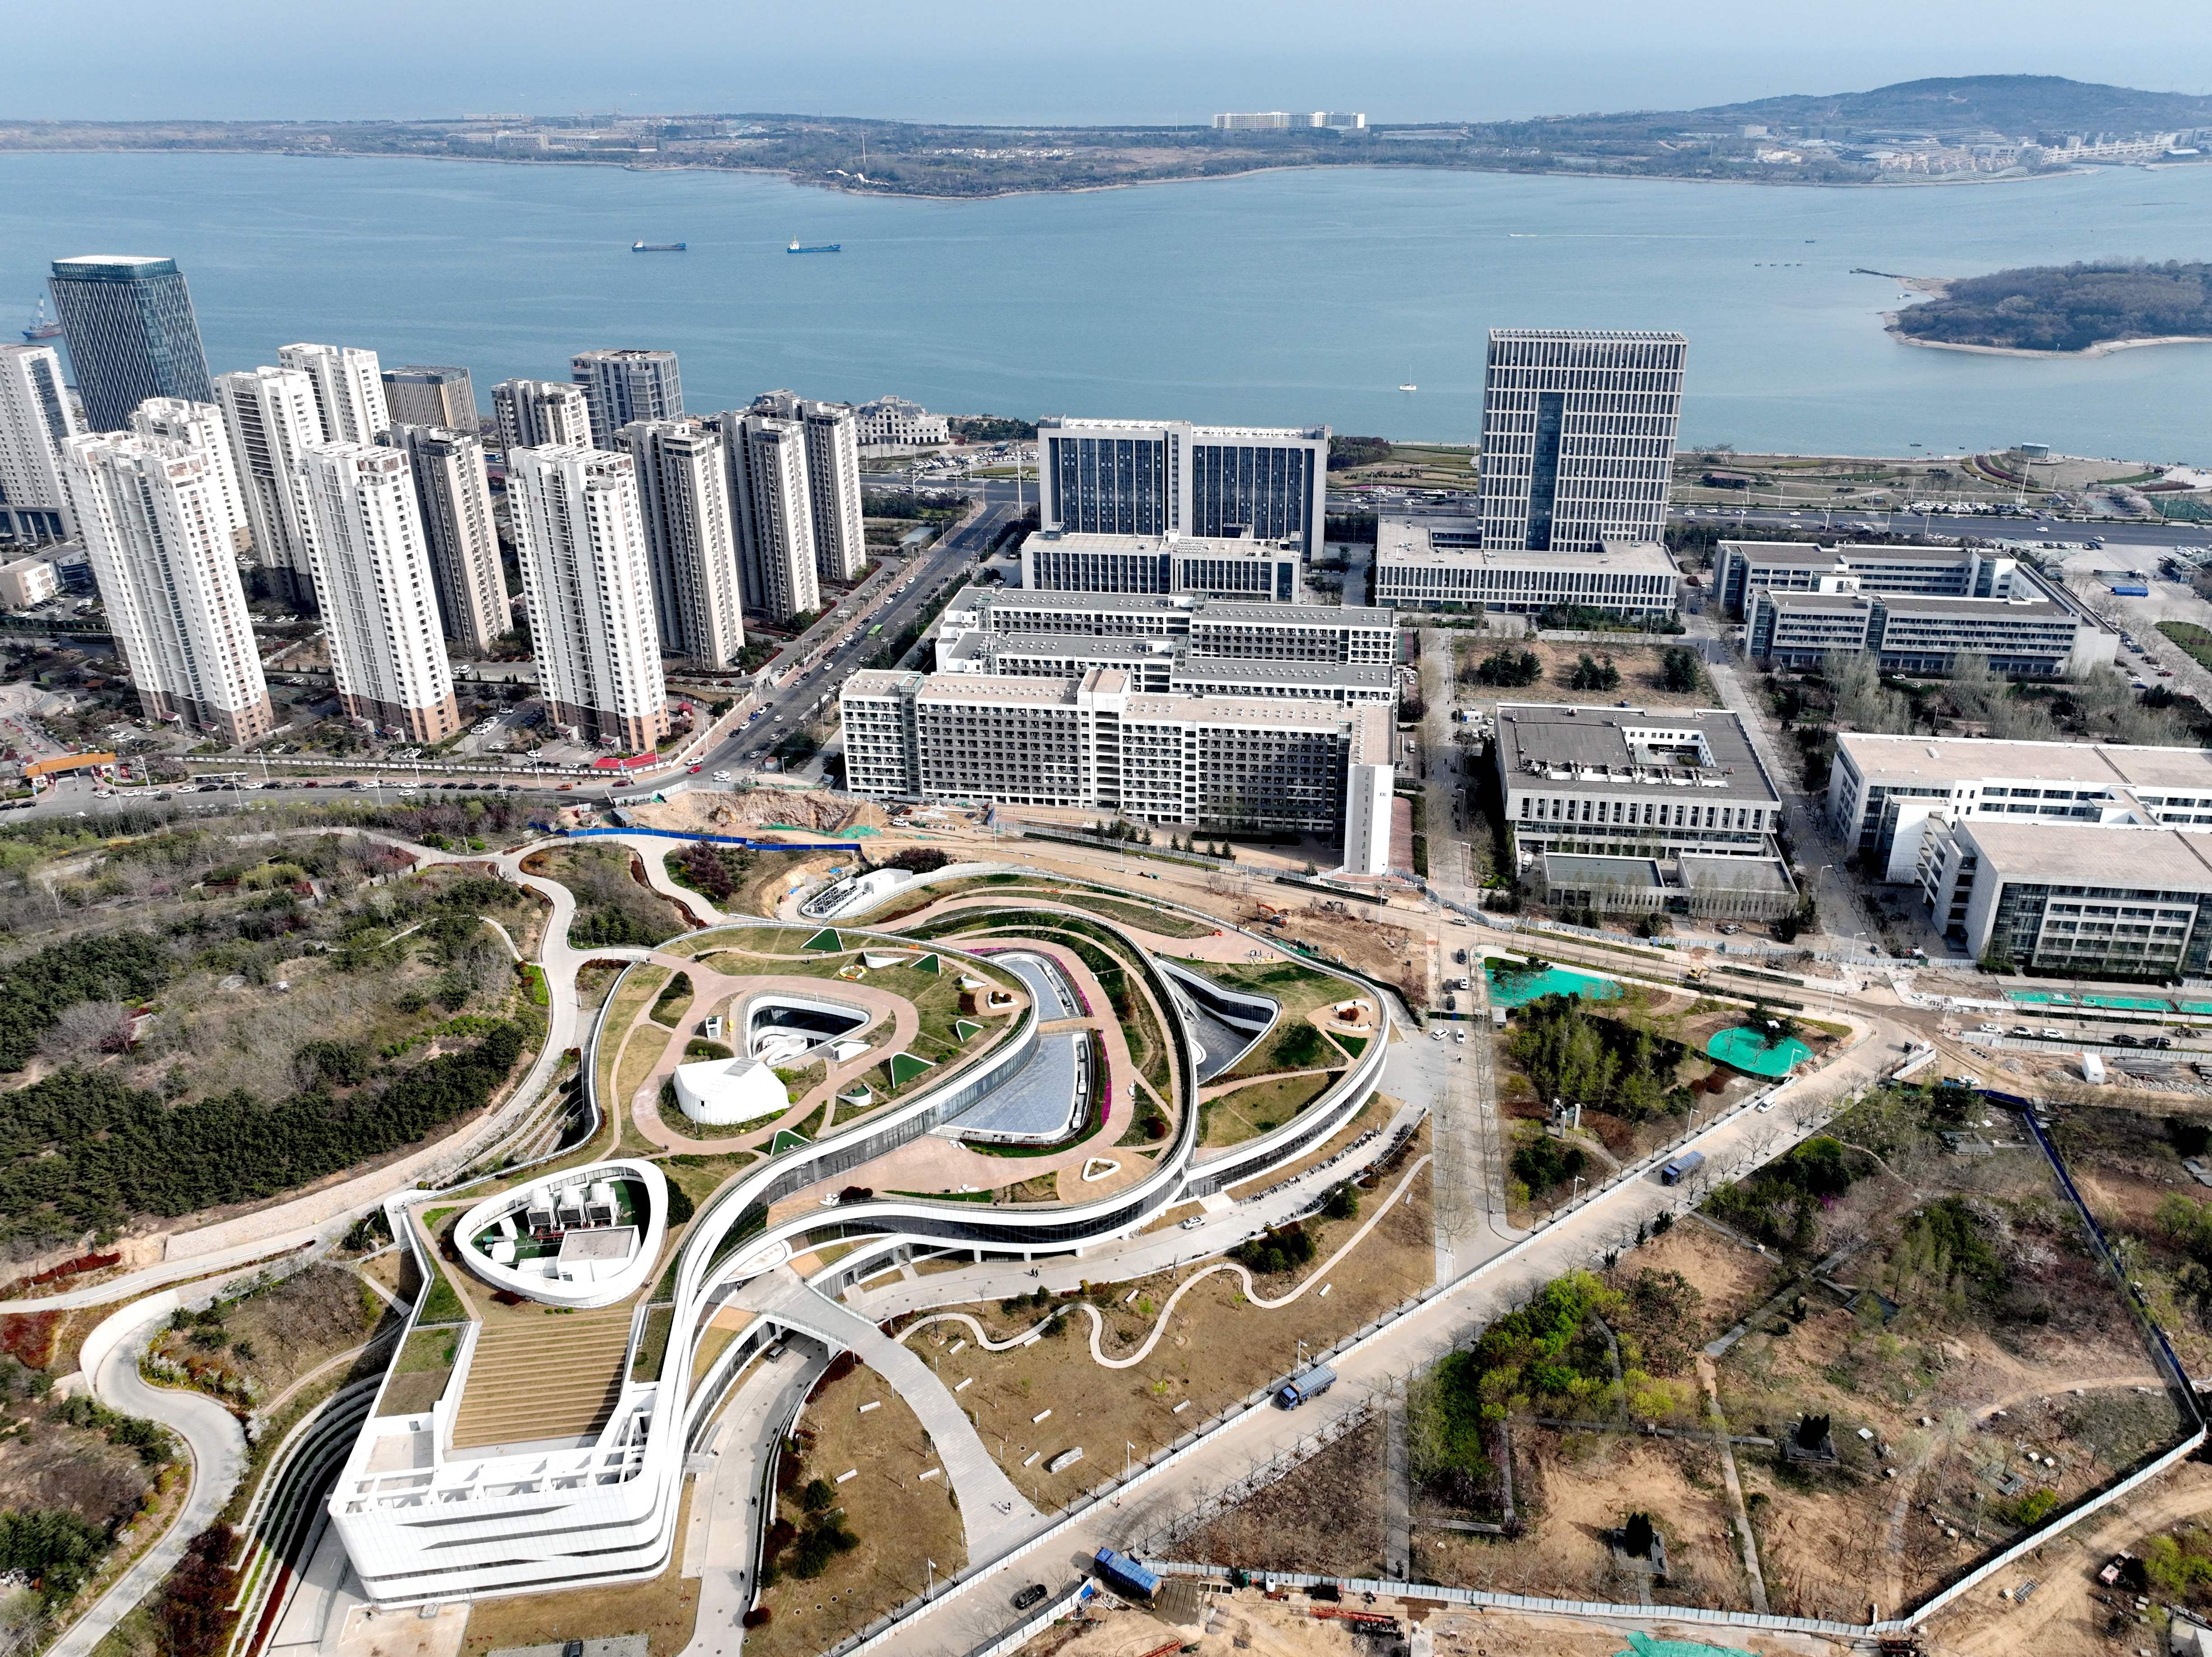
<point>2197,641</point>
<point>1294,1043</point>
<point>1249,1111</point>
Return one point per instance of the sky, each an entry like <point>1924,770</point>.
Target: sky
<point>1033,61</point>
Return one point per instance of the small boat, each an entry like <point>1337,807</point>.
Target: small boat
<point>42,325</point>
<point>1409,387</point>
<point>657,246</point>
<point>816,248</point>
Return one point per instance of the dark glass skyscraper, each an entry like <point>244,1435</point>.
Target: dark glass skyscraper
<point>131,334</point>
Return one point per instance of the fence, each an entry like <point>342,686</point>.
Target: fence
<point>739,840</point>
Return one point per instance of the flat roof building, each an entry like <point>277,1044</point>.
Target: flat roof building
<point>1428,562</point>
<point>2021,637</point>
<point>1162,667</point>
<point>1211,627</point>
<point>1171,477</point>
<point>1098,742</point>
<point>1624,783</point>
<point>1883,790</point>
<point>128,321</point>
<point>2113,901</point>
<point>1197,566</point>
<point>36,419</point>
<point>431,394</point>
<point>1742,567</point>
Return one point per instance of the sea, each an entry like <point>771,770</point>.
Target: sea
<point>1279,298</point>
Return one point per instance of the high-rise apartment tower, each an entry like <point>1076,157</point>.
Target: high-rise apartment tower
<point>272,422</point>
<point>199,426</point>
<point>35,420</point>
<point>587,577</point>
<point>156,530</point>
<point>775,517</point>
<point>833,480</point>
<point>348,389</point>
<point>627,384</point>
<point>1578,437</point>
<point>128,320</point>
<point>430,394</point>
<point>535,413</point>
<point>684,496</point>
<point>1172,478</point>
<point>372,569</point>
<point>452,487</point>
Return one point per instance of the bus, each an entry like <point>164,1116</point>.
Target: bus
<point>874,630</point>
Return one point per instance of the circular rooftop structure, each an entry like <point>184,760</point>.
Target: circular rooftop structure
<point>585,1237</point>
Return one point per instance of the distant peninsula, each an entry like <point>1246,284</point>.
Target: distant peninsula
<point>1966,128</point>
<point>2062,309</point>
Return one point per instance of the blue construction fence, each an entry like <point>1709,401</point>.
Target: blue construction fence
<point>739,840</point>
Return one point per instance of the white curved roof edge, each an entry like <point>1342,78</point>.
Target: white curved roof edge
<point>604,1291</point>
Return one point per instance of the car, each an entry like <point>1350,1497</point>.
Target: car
<point>1193,1222</point>
<point>2019,1030</point>
<point>1731,928</point>
<point>2049,1034</point>
<point>1436,1036</point>
<point>1990,1029</point>
<point>1029,1596</point>
<point>2162,1042</point>
<point>1459,1036</point>
<point>2123,1040</point>
<point>694,770</point>
<point>722,776</point>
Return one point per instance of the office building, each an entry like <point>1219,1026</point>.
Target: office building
<point>833,480</point>
<point>1578,437</point>
<point>35,420</point>
<point>1883,789</point>
<point>1743,568</point>
<point>621,387</point>
<point>1172,478</point>
<point>430,394</point>
<point>684,496</point>
<point>1209,627</point>
<point>128,320</point>
<point>2021,637</point>
<point>1619,809</point>
<point>779,572</point>
<point>200,426</point>
<point>272,421</point>
<point>1161,667</point>
<point>894,422</point>
<point>1339,120</point>
<point>1431,562</point>
<point>25,582</point>
<point>541,413</point>
<point>2078,900</point>
<point>157,532</point>
<point>379,605</point>
<point>587,581</point>
<point>1202,567</point>
<point>348,389</point>
<point>1097,742</point>
<point>452,493</point>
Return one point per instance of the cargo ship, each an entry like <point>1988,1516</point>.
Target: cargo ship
<point>42,326</point>
<point>657,246</point>
<point>816,248</point>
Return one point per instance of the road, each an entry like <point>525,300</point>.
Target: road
<point>217,1449</point>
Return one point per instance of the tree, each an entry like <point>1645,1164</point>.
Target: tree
<point>1680,669</point>
<point>1511,668</point>
<point>1590,674</point>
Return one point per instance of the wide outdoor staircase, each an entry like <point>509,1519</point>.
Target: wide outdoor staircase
<point>555,1376</point>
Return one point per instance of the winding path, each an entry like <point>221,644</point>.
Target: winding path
<point>1160,1326</point>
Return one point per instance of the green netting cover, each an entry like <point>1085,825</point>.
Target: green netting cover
<point>1518,989</point>
<point>1747,1050</point>
<point>825,939</point>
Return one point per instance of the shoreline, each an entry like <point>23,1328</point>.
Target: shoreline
<point>1936,287</point>
<point>846,188</point>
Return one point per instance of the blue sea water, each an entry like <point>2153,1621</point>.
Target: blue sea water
<point>1282,298</point>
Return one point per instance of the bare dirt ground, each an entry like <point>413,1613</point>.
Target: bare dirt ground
<point>1218,1346</point>
<point>1246,1620</point>
<point>707,811</point>
<point>1641,682</point>
<point>1730,1278</point>
<point>1327,1516</point>
<point>900,1518</point>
